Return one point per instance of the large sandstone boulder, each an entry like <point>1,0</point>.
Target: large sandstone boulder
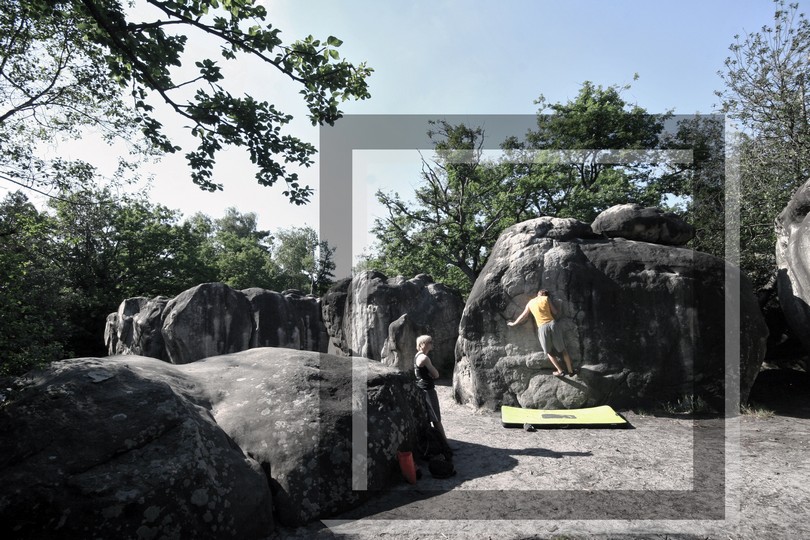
<point>793,263</point>
<point>290,319</point>
<point>137,328</point>
<point>118,330</point>
<point>635,222</point>
<point>206,320</point>
<point>213,319</point>
<point>292,411</point>
<point>91,448</point>
<point>145,448</point>
<point>642,321</point>
<point>376,317</point>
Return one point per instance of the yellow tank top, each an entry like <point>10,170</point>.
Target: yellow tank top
<point>540,307</point>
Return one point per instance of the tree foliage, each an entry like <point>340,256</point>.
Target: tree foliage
<point>110,247</point>
<point>53,83</point>
<point>305,262</point>
<point>236,251</point>
<point>464,202</point>
<point>459,210</point>
<point>63,270</point>
<point>584,132</point>
<point>32,326</point>
<point>71,64</point>
<point>702,180</point>
<point>766,92</point>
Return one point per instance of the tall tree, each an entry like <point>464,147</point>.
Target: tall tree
<point>237,250</point>
<point>464,202</point>
<point>766,92</point>
<point>69,64</point>
<point>33,327</point>
<point>458,212</point>
<point>305,262</point>
<point>577,177</point>
<point>701,182</point>
<point>110,247</point>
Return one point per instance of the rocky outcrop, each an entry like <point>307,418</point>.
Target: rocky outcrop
<point>642,321</point>
<point>376,317</point>
<point>212,319</point>
<point>206,320</point>
<point>793,263</point>
<point>136,328</point>
<point>92,448</point>
<point>289,319</point>
<point>634,222</point>
<point>292,411</point>
<point>140,447</point>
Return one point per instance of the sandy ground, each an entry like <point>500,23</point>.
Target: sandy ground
<point>666,477</point>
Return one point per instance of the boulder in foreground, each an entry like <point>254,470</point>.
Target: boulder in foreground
<point>224,447</point>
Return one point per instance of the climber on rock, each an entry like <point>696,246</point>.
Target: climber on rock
<point>548,332</point>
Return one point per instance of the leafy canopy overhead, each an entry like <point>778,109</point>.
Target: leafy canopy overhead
<point>594,124</point>
<point>463,202</point>
<point>70,64</point>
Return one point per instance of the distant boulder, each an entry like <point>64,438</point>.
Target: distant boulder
<point>136,328</point>
<point>290,319</point>
<point>333,310</point>
<point>212,319</point>
<point>206,320</point>
<point>793,263</point>
<point>643,322</point>
<point>377,317</point>
<point>634,222</point>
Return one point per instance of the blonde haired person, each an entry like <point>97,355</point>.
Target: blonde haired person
<point>549,334</point>
<point>425,374</point>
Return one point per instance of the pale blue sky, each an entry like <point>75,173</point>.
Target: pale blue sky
<point>485,57</point>
<point>457,56</point>
<point>477,57</point>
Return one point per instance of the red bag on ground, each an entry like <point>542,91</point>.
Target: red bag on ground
<point>407,466</point>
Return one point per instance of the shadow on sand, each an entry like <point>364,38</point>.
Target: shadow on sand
<point>429,495</point>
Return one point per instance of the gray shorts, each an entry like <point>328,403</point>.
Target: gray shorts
<point>551,338</point>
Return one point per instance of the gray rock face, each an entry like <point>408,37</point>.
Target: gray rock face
<point>292,412</point>
<point>642,322</point>
<point>93,449</point>
<point>634,222</point>
<point>793,263</point>
<point>118,330</point>
<point>290,320</point>
<point>136,328</point>
<point>399,349</point>
<point>143,447</point>
<point>333,309</point>
<point>206,320</point>
<point>379,318</point>
<point>213,319</point>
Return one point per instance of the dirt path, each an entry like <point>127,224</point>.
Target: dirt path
<point>667,477</point>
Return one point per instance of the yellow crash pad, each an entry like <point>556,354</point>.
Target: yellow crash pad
<point>593,416</point>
